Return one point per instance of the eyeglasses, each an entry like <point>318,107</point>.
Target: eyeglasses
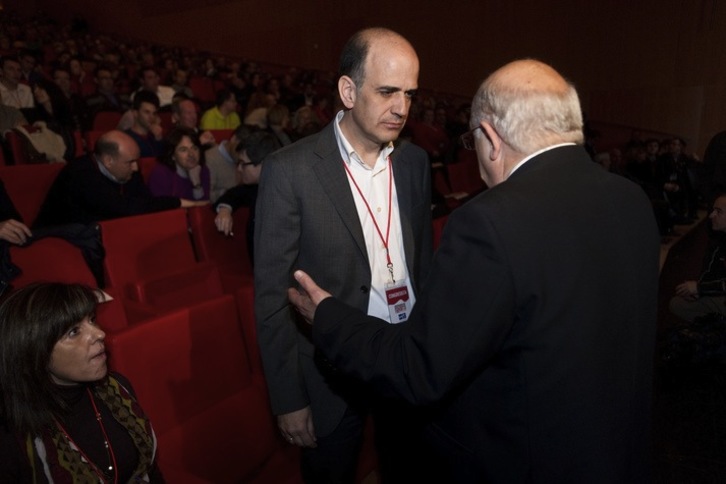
<point>467,139</point>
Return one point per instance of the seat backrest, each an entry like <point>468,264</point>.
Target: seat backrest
<point>190,372</point>
<point>17,148</point>
<point>146,246</point>
<point>203,89</point>
<point>146,164</point>
<point>106,120</point>
<point>221,134</point>
<point>228,252</point>
<point>438,229</point>
<point>91,137</point>
<point>28,185</point>
<point>51,260</point>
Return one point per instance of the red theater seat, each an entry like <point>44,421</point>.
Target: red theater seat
<point>438,229</point>
<point>191,374</point>
<point>221,134</point>
<point>229,253</point>
<point>28,185</point>
<point>145,166</point>
<point>149,259</point>
<point>91,137</point>
<point>106,120</point>
<point>51,260</point>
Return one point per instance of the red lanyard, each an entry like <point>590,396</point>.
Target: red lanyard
<point>375,224</point>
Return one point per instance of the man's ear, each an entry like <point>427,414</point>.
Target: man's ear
<point>347,91</point>
<point>106,160</point>
<point>495,141</point>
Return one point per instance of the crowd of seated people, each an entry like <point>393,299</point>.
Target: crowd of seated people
<point>672,178</point>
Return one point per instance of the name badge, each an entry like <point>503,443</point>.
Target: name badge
<point>399,301</point>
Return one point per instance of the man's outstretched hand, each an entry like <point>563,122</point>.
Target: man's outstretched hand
<point>307,298</point>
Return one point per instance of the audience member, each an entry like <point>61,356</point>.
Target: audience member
<point>146,129</point>
<point>150,83</point>
<point>30,72</point>
<point>53,108</point>
<point>531,365</point>
<point>79,110</point>
<point>106,97</point>
<point>12,228</point>
<point>179,83</point>
<point>707,295</point>
<point>103,186</point>
<point>180,171</point>
<point>184,115</point>
<point>328,204</point>
<point>714,162</point>
<point>12,91</point>
<point>250,154</point>
<point>430,135</point>
<point>278,119</point>
<point>65,417</point>
<point>258,116</point>
<point>222,162</point>
<point>224,114</point>
<point>10,118</point>
<point>304,123</point>
<point>676,181</point>
<point>81,82</point>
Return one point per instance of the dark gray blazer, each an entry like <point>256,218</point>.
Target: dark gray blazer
<point>535,328</point>
<point>306,219</point>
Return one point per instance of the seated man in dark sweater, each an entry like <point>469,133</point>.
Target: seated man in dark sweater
<point>251,152</point>
<point>103,186</point>
<point>146,129</point>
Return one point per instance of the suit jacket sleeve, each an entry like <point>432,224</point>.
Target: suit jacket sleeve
<point>276,249</point>
<point>456,326</point>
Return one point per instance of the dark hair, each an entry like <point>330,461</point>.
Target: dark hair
<point>242,132</point>
<point>176,101</point>
<point>353,57</point>
<point>258,146</point>
<point>106,146</point>
<point>59,103</point>
<point>222,96</point>
<point>172,140</point>
<point>32,320</point>
<point>145,97</point>
<point>144,70</point>
<point>8,58</point>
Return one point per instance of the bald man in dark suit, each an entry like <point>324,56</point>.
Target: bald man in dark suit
<point>536,328</point>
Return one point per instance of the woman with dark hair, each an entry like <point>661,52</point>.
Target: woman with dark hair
<point>64,417</point>
<point>180,171</point>
<point>54,109</point>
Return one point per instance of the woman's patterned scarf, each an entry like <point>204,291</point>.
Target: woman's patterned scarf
<point>62,462</point>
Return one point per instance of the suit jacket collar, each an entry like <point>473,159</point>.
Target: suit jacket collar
<point>334,181</point>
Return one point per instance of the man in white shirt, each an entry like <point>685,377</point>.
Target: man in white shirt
<point>13,93</point>
<point>351,204</point>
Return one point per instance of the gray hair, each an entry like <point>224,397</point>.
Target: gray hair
<point>527,116</point>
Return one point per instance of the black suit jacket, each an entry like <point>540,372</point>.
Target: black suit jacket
<point>82,194</point>
<point>535,330</point>
<point>306,218</point>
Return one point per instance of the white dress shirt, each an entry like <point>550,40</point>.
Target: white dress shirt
<point>374,183</point>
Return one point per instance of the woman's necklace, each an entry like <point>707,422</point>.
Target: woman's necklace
<point>112,468</point>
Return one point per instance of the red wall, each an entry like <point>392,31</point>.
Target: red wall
<point>655,64</point>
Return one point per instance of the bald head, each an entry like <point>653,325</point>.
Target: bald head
<point>119,154</point>
<point>530,105</point>
<point>376,41</point>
